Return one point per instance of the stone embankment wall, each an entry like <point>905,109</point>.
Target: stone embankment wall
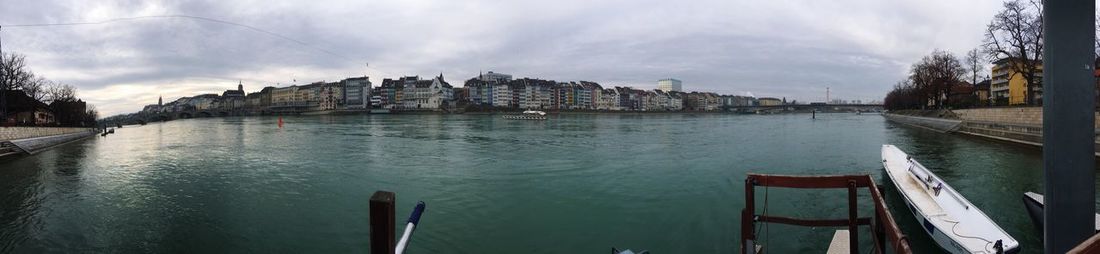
<point>1028,116</point>
<point>933,123</point>
<point>1022,125</point>
<point>11,133</point>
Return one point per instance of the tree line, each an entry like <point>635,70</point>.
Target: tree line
<point>68,110</point>
<point>1013,36</point>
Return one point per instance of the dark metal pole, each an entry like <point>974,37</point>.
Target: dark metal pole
<point>3,85</point>
<point>1068,123</point>
<point>382,236</point>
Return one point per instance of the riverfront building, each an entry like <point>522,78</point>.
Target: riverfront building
<point>670,84</point>
<point>413,93</point>
<point>767,101</point>
<point>233,99</point>
<point>1009,86</point>
<point>489,90</point>
<point>357,92</point>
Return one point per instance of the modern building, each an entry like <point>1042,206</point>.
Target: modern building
<point>670,84</point>
<point>1009,86</point>
<point>495,77</point>
<point>357,92</point>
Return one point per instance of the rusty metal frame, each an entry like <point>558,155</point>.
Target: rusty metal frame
<point>883,225</point>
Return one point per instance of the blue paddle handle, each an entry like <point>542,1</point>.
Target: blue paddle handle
<point>415,217</point>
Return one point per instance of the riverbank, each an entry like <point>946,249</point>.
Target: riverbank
<point>31,140</point>
<point>1020,125</point>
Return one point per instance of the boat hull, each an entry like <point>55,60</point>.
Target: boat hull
<point>1035,211</point>
<point>929,228</point>
<point>947,217</point>
<point>1033,202</point>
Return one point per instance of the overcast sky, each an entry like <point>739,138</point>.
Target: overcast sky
<point>776,48</point>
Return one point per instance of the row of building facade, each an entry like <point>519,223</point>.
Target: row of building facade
<point>501,91</point>
<point>487,90</point>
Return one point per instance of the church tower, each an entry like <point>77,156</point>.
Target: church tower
<point>160,101</point>
<point>240,86</point>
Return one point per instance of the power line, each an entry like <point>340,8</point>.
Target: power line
<point>183,17</point>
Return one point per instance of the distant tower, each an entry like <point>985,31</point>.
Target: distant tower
<point>826,95</point>
<point>240,86</point>
<point>160,101</point>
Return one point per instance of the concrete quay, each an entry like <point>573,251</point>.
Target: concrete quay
<point>1021,125</point>
<point>31,140</point>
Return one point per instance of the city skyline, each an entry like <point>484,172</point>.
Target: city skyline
<point>727,47</point>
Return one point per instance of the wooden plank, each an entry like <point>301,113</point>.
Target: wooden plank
<point>841,243</point>
<point>809,182</point>
<point>811,223</point>
<point>1092,245</point>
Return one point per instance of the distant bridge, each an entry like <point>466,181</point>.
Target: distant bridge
<point>808,107</point>
<point>146,117</point>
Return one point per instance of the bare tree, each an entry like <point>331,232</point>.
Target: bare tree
<point>975,65</point>
<point>91,114</point>
<point>14,71</point>
<point>60,92</point>
<point>35,87</point>
<point>920,77</point>
<point>1015,35</point>
<point>947,71</point>
<point>935,74</point>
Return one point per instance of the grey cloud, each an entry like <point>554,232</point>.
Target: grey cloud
<point>783,48</point>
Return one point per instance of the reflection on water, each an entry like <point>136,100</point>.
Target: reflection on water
<point>669,183</point>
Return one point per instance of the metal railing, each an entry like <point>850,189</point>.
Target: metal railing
<point>882,224</point>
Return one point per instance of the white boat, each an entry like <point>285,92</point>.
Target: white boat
<point>953,222</point>
<point>528,115</point>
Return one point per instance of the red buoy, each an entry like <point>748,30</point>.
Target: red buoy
<point>280,122</point>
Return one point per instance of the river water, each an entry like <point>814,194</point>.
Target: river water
<point>668,183</point>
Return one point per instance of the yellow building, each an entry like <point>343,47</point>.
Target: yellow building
<point>1007,85</point>
<point>284,96</point>
<point>767,101</point>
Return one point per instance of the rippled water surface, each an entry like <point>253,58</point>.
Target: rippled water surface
<point>669,183</point>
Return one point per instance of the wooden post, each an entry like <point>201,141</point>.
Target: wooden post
<point>853,218</point>
<point>382,234</point>
<point>748,238</point>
